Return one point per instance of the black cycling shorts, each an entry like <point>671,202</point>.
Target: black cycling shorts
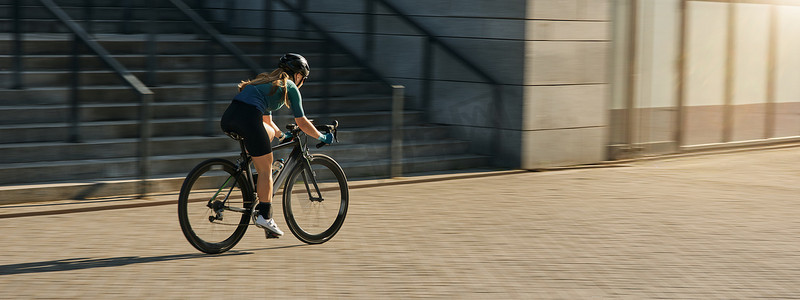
<point>246,121</point>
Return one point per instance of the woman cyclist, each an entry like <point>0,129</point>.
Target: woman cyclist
<point>250,116</point>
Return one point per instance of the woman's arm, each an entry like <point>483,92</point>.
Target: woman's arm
<point>278,132</point>
<point>268,123</point>
<point>306,126</point>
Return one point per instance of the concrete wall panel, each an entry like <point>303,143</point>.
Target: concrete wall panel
<point>546,30</point>
<point>569,9</point>
<point>788,60</point>
<point>556,62</point>
<point>705,70</point>
<point>752,52</point>
<point>567,106</point>
<point>560,147</point>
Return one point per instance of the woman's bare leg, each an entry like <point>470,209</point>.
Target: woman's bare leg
<point>264,187</point>
<point>264,184</point>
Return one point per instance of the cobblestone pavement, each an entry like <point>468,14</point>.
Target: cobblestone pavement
<point>721,226</point>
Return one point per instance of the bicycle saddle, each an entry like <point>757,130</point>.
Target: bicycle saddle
<point>234,136</point>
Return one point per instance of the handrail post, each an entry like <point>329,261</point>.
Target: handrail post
<point>17,80</point>
<point>74,116</point>
<point>145,131</point>
<point>397,131</point>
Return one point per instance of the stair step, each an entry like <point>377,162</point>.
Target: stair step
<point>361,157</point>
<point>62,62</point>
<point>371,151</point>
<point>116,148</point>
<point>90,131</point>
<point>36,114</point>
<point>166,44</point>
<point>166,11</point>
<point>50,78</point>
<point>121,93</point>
<point>112,148</point>
<point>102,3</point>
<point>102,26</point>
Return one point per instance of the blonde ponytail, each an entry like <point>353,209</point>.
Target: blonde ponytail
<point>278,78</point>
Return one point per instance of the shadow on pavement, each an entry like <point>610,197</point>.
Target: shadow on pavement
<point>90,263</point>
<point>247,251</point>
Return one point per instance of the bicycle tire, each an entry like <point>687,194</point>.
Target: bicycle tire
<point>195,216</point>
<point>300,211</point>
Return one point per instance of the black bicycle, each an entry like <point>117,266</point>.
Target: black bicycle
<point>215,205</point>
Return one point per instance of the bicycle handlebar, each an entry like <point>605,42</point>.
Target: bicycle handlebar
<point>330,128</point>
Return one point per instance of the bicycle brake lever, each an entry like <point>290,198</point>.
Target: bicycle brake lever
<point>335,130</point>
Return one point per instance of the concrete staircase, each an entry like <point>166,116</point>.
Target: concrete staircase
<point>37,162</point>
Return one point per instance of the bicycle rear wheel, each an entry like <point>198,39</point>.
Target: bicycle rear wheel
<point>213,206</point>
<point>315,215</point>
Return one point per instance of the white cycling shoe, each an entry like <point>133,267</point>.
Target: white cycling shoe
<point>268,225</point>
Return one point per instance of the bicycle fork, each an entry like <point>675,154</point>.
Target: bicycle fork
<point>308,175</point>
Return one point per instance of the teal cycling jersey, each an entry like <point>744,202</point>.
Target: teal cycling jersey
<point>258,96</point>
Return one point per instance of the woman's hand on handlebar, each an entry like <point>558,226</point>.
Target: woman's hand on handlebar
<point>286,136</point>
<point>326,138</point>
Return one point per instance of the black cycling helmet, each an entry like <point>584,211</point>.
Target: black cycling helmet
<point>294,63</point>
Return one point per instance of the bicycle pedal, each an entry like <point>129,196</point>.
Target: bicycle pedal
<point>271,235</point>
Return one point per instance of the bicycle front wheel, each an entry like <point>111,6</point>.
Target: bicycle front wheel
<point>315,201</point>
<point>213,206</point>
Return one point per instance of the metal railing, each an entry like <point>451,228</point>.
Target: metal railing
<point>80,36</point>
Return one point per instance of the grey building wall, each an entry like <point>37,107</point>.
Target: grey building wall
<point>549,55</point>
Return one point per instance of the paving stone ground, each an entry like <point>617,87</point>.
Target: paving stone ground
<point>721,226</point>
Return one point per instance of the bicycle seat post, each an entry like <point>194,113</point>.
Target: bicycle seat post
<point>239,138</point>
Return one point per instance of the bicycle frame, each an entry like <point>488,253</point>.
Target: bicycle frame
<point>298,155</point>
